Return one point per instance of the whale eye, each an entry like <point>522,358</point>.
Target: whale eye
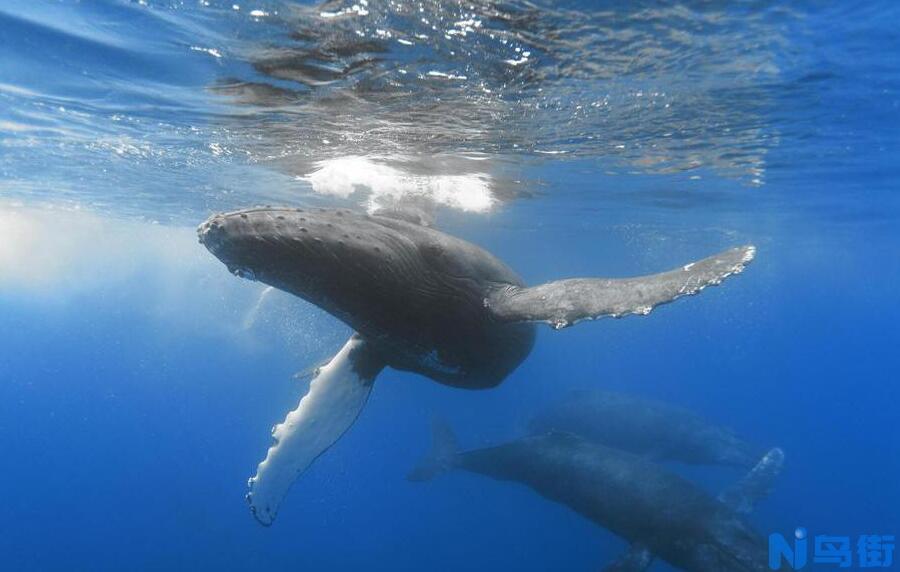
<point>244,273</point>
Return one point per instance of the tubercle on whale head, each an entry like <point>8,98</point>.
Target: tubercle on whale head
<point>222,234</point>
<point>225,234</point>
<point>317,254</point>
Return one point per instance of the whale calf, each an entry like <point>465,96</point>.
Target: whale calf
<point>418,300</point>
<point>643,426</point>
<point>660,513</point>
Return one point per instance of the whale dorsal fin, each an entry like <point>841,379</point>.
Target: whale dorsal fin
<point>756,485</point>
<point>565,302</point>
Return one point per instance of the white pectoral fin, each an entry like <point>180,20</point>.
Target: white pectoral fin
<point>336,396</point>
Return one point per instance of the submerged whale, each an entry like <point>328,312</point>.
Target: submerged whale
<point>419,300</point>
<point>643,426</point>
<point>658,512</point>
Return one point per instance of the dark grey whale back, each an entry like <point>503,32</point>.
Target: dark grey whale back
<point>632,423</point>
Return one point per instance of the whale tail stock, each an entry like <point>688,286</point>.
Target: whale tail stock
<point>566,302</point>
<point>335,399</point>
<point>441,458</point>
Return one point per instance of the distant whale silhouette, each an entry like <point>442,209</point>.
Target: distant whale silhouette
<point>660,513</point>
<point>419,300</point>
<point>659,430</point>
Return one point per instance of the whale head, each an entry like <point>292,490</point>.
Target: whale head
<point>335,259</point>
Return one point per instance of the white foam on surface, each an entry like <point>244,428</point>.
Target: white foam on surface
<point>384,184</point>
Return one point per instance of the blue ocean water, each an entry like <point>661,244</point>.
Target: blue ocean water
<point>140,378</point>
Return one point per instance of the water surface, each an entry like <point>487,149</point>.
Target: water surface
<point>569,138</point>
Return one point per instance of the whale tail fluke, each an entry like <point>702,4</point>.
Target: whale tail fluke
<point>336,396</point>
<point>756,485</point>
<point>566,302</point>
<point>441,458</point>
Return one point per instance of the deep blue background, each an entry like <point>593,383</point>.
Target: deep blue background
<point>127,441</point>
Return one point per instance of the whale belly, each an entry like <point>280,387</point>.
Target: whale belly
<point>467,359</point>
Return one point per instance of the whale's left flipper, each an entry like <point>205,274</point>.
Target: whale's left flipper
<point>756,485</point>
<point>336,396</point>
<point>565,302</point>
<point>636,559</point>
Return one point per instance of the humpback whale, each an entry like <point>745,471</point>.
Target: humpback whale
<point>646,427</point>
<point>658,512</point>
<point>418,300</point>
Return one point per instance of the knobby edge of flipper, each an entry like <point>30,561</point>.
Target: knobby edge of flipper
<point>336,396</point>
<point>566,302</point>
<point>636,559</point>
<point>746,493</point>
